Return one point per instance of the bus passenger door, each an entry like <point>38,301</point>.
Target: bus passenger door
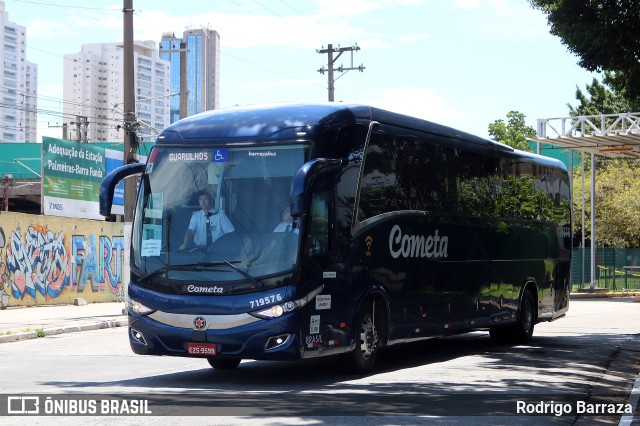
<point>329,310</point>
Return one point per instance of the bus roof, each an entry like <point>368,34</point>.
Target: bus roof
<point>291,121</point>
<point>281,121</point>
<point>258,122</point>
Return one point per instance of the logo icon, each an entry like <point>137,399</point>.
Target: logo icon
<point>220,155</point>
<point>23,405</point>
<point>199,323</point>
<point>368,240</point>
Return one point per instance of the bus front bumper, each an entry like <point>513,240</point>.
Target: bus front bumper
<point>231,336</point>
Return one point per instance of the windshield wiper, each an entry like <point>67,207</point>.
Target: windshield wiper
<point>197,267</point>
<point>230,263</point>
<point>167,268</point>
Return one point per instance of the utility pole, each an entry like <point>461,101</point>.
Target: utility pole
<point>7,181</point>
<point>330,50</point>
<point>130,125</point>
<point>82,129</point>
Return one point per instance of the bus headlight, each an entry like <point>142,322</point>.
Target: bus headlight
<point>276,311</point>
<point>273,312</point>
<point>138,308</point>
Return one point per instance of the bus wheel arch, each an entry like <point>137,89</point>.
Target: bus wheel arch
<point>526,318</point>
<point>527,315</point>
<point>370,333</point>
<point>531,288</point>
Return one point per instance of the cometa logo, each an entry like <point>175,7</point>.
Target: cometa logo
<point>432,247</point>
<point>197,289</point>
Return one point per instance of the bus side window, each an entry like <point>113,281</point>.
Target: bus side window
<point>319,224</point>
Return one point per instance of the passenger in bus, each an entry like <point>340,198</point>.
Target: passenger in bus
<point>206,226</point>
<point>287,223</point>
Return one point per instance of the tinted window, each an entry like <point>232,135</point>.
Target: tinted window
<point>406,170</point>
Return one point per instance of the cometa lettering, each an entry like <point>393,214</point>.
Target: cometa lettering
<point>432,247</point>
<point>197,289</point>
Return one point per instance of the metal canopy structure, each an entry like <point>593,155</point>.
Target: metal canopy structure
<point>609,135</point>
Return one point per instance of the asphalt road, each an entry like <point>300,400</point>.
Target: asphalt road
<point>591,357</point>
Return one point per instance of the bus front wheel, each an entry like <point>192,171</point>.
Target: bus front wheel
<point>224,364</point>
<point>363,357</point>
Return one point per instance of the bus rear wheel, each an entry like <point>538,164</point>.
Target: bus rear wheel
<point>224,364</point>
<point>522,330</point>
<point>363,357</point>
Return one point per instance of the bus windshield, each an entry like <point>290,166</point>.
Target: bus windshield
<point>216,214</point>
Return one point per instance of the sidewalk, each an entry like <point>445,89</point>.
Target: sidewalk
<point>21,323</point>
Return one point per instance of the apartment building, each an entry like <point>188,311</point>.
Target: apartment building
<point>202,70</point>
<point>19,86</point>
<point>93,91</point>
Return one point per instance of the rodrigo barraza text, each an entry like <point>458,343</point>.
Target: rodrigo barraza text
<point>581,407</point>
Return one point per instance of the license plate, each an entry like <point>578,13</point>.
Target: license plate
<point>206,349</point>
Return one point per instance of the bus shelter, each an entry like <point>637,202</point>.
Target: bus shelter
<point>607,135</point>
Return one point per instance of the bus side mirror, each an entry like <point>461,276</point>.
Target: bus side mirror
<point>304,180</point>
<point>109,183</point>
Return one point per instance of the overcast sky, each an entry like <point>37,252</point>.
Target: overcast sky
<point>462,63</point>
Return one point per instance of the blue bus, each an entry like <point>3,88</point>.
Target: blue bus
<point>335,229</point>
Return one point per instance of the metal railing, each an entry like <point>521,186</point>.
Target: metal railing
<point>617,269</point>
<point>605,124</point>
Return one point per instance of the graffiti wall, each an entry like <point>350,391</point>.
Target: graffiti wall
<point>47,260</point>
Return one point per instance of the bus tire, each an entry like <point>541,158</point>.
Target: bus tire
<point>363,357</point>
<point>522,330</point>
<point>527,319</point>
<point>224,363</point>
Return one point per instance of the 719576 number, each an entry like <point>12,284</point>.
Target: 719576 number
<point>263,301</point>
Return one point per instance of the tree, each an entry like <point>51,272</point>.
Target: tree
<point>604,34</point>
<point>617,203</point>
<point>601,98</point>
<point>617,181</point>
<point>514,133</point>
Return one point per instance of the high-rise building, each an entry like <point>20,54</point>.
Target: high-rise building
<point>202,70</point>
<point>19,87</point>
<point>94,91</point>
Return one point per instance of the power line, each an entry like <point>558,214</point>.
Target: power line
<point>62,115</point>
<point>260,66</point>
<point>292,8</point>
<point>65,5</point>
<point>241,6</point>
<point>74,56</point>
<point>266,8</point>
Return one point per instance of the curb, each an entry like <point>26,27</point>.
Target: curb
<point>635,294</point>
<point>613,386</point>
<point>63,329</point>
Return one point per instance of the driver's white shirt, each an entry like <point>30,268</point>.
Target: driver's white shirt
<point>219,224</point>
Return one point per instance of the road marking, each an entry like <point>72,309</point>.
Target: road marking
<point>634,396</point>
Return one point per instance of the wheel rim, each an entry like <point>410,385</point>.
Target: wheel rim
<point>527,316</point>
<point>368,338</point>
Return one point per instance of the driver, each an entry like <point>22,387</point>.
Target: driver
<point>206,226</point>
<point>287,222</point>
